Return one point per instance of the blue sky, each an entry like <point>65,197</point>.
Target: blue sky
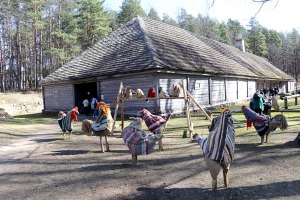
<point>282,17</point>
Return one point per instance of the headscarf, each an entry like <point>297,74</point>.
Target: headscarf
<point>105,109</point>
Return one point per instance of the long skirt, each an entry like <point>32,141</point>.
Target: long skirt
<point>65,123</point>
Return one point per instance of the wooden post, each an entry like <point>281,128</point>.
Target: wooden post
<point>190,96</point>
<point>122,112</point>
<point>296,100</point>
<point>101,144</point>
<point>285,103</point>
<point>187,111</point>
<point>117,107</point>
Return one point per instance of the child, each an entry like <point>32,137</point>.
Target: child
<point>267,107</point>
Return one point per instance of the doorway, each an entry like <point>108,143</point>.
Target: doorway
<point>83,91</point>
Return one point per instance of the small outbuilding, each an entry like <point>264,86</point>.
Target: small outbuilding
<point>144,54</point>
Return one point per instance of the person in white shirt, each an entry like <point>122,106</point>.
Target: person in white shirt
<point>86,106</point>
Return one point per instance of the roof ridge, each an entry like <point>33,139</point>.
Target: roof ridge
<point>147,39</point>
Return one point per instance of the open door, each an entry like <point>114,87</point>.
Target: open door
<point>84,90</point>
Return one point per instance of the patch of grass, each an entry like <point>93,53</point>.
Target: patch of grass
<point>31,119</point>
<point>176,126</point>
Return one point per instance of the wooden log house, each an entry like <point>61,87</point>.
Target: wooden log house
<point>144,53</point>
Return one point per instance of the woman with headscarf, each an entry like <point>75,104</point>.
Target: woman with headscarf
<point>258,102</point>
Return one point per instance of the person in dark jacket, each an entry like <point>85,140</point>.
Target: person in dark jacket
<point>251,104</point>
<point>267,108</point>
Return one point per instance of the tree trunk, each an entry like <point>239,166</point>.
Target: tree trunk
<point>18,56</point>
<point>35,47</point>
<point>2,67</point>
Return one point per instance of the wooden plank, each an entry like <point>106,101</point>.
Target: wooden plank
<point>168,104</point>
<point>59,97</point>
<point>231,89</point>
<point>199,89</point>
<point>109,89</point>
<point>187,110</point>
<point>154,98</point>
<point>117,106</point>
<point>122,113</point>
<point>208,117</point>
<point>291,96</point>
<point>217,90</point>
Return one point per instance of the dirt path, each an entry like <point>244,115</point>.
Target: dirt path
<point>40,165</point>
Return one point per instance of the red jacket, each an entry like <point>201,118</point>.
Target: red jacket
<point>151,93</point>
<point>73,115</point>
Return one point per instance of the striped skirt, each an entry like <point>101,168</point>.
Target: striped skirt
<point>65,123</point>
<point>220,143</point>
<point>138,142</point>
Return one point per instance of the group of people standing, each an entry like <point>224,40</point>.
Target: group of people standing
<point>259,105</point>
<point>270,92</point>
<point>90,106</point>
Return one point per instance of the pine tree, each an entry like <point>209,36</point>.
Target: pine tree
<point>208,27</point>
<point>224,33</point>
<point>168,20</point>
<point>130,9</point>
<point>257,40</point>
<point>93,22</point>
<point>235,30</point>
<point>153,14</point>
<point>61,33</point>
<point>187,22</point>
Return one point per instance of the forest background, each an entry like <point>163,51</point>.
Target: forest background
<point>39,36</point>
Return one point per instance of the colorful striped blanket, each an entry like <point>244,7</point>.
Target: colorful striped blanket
<point>220,143</point>
<point>138,142</point>
<point>104,122</point>
<point>65,122</point>
<point>153,122</point>
<point>260,122</point>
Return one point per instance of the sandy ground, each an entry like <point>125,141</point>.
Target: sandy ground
<point>18,103</point>
<point>36,163</point>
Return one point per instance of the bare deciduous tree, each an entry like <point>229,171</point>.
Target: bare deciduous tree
<point>262,2</point>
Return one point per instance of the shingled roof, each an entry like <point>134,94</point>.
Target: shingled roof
<point>143,44</point>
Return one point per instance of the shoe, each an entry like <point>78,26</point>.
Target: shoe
<point>195,135</point>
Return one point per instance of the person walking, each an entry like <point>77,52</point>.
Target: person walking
<point>86,106</point>
<point>93,106</point>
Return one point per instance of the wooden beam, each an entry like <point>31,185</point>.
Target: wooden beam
<point>154,98</point>
<point>117,106</point>
<point>187,110</point>
<point>122,113</point>
<point>190,96</point>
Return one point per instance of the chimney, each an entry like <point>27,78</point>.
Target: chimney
<point>239,43</point>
